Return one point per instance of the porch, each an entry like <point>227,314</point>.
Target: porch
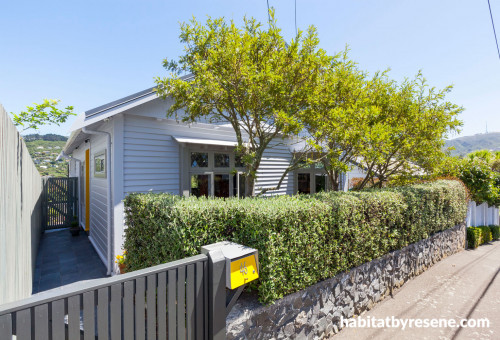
<point>63,259</point>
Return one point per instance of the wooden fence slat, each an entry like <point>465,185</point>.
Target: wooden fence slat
<point>151,307</point>
<point>116,311</point>
<point>103,313</point>
<point>162,305</point>
<point>172,312</point>
<point>205,296</point>
<point>140,290</point>
<point>6,327</point>
<point>190,306</point>
<point>42,322</point>
<point>181,302</point>
<point>128,310</point>
<point>23,324</point>
<point>200,301</point>
<point>89,315</point>
<point>58,326</point>
<point>74,317</point>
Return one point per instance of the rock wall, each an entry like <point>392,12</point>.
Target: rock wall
<point>315,312</point>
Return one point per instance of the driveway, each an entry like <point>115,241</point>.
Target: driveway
<point>464,285</point>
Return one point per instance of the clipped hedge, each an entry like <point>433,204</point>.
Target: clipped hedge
<point>301,239</point>
<point>477,236</point>
<point>473,237</point>
<point>485,234</point>
<point>495,232</point>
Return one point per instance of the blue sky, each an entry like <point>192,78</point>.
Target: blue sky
<point>88,53</point>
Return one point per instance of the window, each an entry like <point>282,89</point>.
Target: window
<point>239,185</point>
<point>221,185</point>
<point>100,164</point>
<point>311,178</point>
<point>221,160</point>
<point>320,182</point>
<point>304,183</point>
<point>200,185</point>
<point>199,159</point>
<point>215,172</point>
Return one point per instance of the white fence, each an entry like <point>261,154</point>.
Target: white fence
<point>482,215</point>
<point>20,213</point>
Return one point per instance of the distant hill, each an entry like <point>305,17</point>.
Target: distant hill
<point>464,145</point>
<point>44,150</point>
<point>48,137</point>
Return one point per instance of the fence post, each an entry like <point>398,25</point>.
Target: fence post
<point>216,295</point>
<point>43,206</point>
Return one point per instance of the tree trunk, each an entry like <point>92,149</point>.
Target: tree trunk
<point>249,185</point>
<point>333,176</point>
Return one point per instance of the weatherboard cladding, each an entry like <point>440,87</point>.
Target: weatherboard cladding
<point>152,162</point>
<point>98,197</point>
<point>98,193</point>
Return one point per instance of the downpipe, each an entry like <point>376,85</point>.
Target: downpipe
<point>108,176</point>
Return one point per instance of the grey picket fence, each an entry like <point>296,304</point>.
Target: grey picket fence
<point>165,301</point>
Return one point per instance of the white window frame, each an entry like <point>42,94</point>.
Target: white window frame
<point>312,171</point>
<point>211,170</point>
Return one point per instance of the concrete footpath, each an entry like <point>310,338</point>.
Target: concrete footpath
<point>463,286</point>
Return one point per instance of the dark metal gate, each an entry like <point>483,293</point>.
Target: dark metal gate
<point>60,201</point>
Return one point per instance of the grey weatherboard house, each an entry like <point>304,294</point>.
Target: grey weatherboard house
<point>129,145</point>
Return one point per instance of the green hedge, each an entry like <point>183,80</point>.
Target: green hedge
<point>495,232</point>
<point>485,234</point>
<point>301,239</point>
<point>477,236</point>
<point>473,237</point>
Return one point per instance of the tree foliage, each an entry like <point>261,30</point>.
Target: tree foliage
<point>42,114</point>
<point>332,120</point>
<point>250,77</point>
<point>406,135</point>
<point>478,172</point>
<point>270,89</point>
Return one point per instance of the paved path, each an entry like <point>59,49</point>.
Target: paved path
<point>464,285</point>
<point>63,259</point>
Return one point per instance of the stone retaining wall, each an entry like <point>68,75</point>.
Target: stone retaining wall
<point>315,312</point>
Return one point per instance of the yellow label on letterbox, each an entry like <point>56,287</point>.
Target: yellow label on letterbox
<point>243,271</point>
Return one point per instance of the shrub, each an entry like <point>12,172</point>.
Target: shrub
<point>301,239</point>
<point>483,183</point>
<point>495,232</point>
<point>473,237</point>
<point>485,234</point>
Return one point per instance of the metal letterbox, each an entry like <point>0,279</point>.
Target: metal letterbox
<point>242,262</point>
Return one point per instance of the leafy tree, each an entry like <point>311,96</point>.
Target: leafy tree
<point>42,114</point>
<point>406,134</point>
<point>250,77</point>
<point>335,119</point>
<point>495,165</point>
<point>484,155</point>
<point>482,182</point>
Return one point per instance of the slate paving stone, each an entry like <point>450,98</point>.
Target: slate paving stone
<point>63,259</point>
